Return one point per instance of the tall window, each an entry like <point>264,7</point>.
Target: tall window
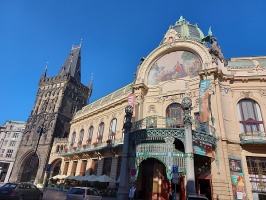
<point>73,139</point>
<point>249,115</point>
<point>81,135</point>
<point>100,133</point>
<point>174,115</point>
<point>15,135</point>
<point>9,153</point>
<point>90,135</point>
<point>112,130</point>
<point>12,143</point>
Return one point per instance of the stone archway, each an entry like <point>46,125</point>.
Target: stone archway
<point>29,168</point>
<point>152,182</point>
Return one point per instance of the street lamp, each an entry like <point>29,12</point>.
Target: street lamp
<point>40,130</point>
<point>186,106</point>
<point>123,183</point>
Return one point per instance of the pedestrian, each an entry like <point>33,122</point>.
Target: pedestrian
<point>45,185</point>
<point>171,194</point>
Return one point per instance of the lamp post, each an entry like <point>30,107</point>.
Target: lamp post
<point>124,172</point>
<point>32,159</point>
<point>186,106</point>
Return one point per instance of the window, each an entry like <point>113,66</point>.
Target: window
<point>5,143</point>
<point>257,173</point>
<point>100,133</point>
<point>15,135</point>
<point>9,153</point>
<point>73,139</point>
<point>112,130</point>
<point>2,152</point>
<point>249,115</point>
<point>81,135</point>
<point>13,143</point>
<point>90,134</point>
<point>174,115</point>
<point>8,135</point>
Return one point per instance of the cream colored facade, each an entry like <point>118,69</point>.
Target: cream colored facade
<point>237,165</point>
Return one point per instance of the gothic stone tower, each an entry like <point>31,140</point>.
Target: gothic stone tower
<point>57,99</point>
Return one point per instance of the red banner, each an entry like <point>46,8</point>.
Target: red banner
<point>132,101</point>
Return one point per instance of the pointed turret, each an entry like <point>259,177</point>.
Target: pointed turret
<point>71,65</point>
<point>44,73</point>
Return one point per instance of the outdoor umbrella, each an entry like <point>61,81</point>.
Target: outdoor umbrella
<point>104,178</point>
<point>79,178</point>
<point>88,177</point>
<point>70,177</point>
<point>58,176</point>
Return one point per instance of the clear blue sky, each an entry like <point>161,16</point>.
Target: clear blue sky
<point>115,34</point>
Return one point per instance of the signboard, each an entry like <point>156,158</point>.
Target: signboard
<point>48,168</point>
<point>175,180</point>
<point>175,169</point>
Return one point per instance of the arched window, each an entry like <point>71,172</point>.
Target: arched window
<point>112,129</point>
<point>90,135</point>
<point>81,135</point>
<point>174,115</point>
<point>249,115</point>
<point>100,133</point>
<point>73,139</point>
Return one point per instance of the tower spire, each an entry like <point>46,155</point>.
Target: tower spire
<point>72,64</point>
<point>45,71</point>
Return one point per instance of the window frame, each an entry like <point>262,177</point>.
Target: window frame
<point>249,123</point>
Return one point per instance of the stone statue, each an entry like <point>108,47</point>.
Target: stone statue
<point>216,52</point>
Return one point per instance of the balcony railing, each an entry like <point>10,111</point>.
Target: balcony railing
<point>155,121</point>
<point>90,147</point>
<point>253,138</point>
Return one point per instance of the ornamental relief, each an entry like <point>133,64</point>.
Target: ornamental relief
<point>247,94</point>
<point>262,92</point>
<point>152,109</point>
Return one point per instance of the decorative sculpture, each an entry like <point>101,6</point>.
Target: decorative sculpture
<point>216,52</point>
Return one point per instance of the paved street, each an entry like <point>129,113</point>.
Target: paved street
<point>58,195</point>
<point>54,195</point>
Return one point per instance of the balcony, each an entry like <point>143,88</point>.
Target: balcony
<point>154,128</point>
<point>253,138</point>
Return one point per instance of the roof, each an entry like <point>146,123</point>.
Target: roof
<point>183,29</point>
<point>72,64</point>
<point>106,99</point>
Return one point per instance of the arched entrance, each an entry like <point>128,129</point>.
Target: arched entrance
<point>152,182</point>
<point>29,168</point>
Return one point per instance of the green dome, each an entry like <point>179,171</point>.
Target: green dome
<point>183,29</point>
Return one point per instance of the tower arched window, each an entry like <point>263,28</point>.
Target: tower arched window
<point>112,129</point>
<point>100,133</point>
<point>72,142</point>
<point>90,135</point>
<point>174,115</point>
<point>250,117</point>
<point>81,135</point>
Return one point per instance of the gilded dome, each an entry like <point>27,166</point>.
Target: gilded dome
<point>183,29</point>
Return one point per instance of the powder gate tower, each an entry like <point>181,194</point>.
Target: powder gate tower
<point>57,99</point>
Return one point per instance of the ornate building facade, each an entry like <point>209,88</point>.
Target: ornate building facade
<point>11,134</point>
<point>57,100</point>
<point>228,112</point>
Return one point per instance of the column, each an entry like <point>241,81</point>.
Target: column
<point>187,120</point>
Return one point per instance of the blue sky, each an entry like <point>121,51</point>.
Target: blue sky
<point>115,35</point>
